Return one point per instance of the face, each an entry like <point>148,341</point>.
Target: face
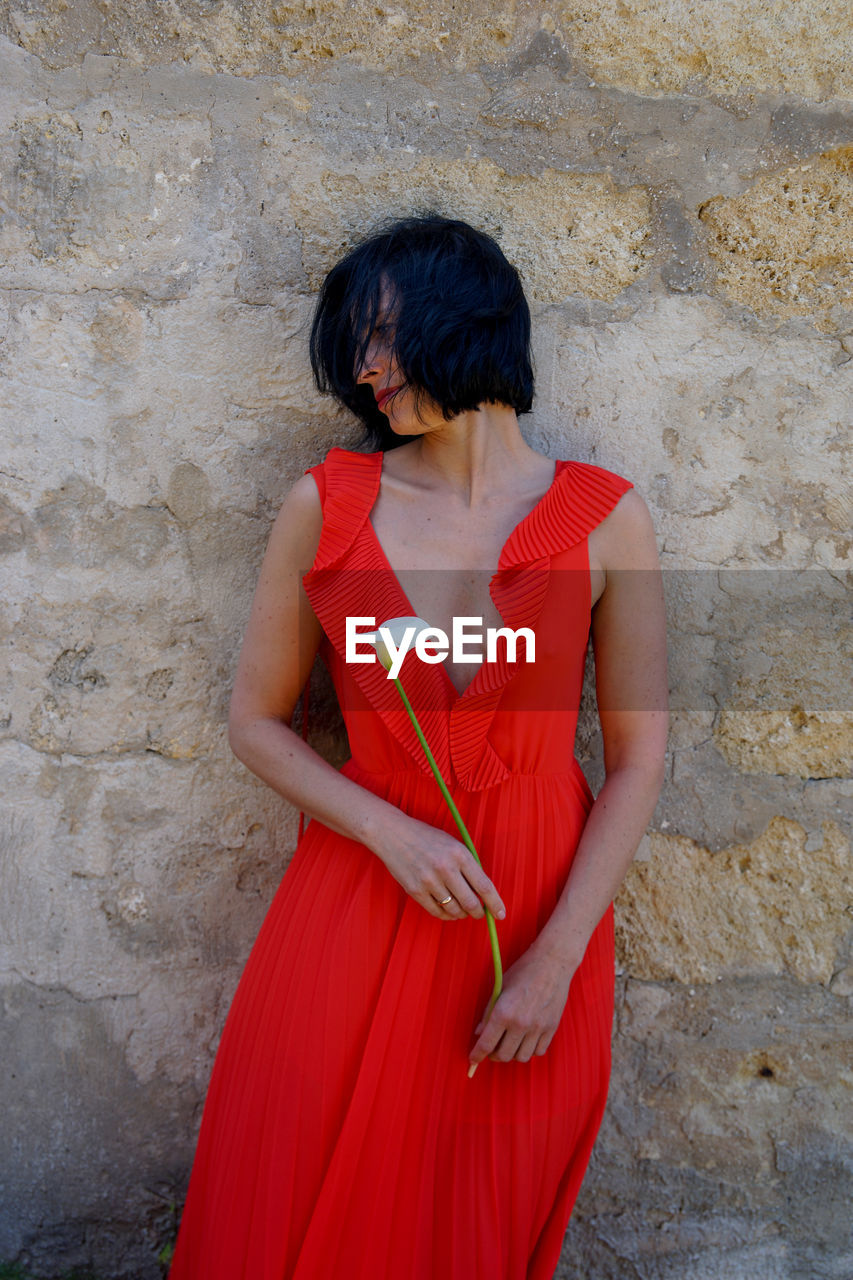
<point>379,371</point>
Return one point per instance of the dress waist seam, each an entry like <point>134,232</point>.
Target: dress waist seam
<point>538,775</point>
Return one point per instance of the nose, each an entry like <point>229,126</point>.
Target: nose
<point>371,366</point>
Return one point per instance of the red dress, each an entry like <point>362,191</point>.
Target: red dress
<point>341,1135</point>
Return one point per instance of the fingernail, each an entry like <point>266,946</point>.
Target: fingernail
<point>473,1067</point>
<point>501,915</point>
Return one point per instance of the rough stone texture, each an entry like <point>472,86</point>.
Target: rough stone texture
<point>663,46</point>
<point>567,234</point>
<point>795,741</point>
<point>775,905</point>
<point>783,246</point>
<point>655,47</point>
<point>674,182</point>
<point>719,1092</point>
<point>248,38</point>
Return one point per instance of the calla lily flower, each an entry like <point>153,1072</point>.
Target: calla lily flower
<point>404,632</point>
<point>399,631</point>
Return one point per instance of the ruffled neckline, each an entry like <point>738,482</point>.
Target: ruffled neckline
<point>579,497</point>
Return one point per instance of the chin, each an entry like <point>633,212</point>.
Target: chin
<point>407,430</point>
<point>406,424</point>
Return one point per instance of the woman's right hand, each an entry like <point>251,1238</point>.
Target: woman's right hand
<point>430,864</point>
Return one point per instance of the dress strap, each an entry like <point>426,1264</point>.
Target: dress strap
<point>348,484</point>
<point>580,498</point>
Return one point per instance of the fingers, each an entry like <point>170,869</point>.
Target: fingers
<point>509,1046</point>
<point>431,907</point>
<point>432,900</point>
<point>450,906</point>
<point>484,889</point>
<point>487,1042</point>
<point>504,1040</point>
<point>465,900</point>
<point>472,889</point>
<point>469,887</point>
<point>434,866</point>
<point>544,1041</point>
<point>528,1046</point>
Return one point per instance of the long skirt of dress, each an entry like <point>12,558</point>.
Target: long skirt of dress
<point>341,1136</point>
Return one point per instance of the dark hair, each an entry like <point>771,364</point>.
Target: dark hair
<point>460,325</point>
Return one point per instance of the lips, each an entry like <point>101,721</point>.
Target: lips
<point>383,396</point>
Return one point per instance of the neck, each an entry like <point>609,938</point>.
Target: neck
<point>475,452</point>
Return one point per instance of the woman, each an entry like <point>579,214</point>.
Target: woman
<point>344,1134</point>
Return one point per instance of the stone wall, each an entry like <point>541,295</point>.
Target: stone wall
<point>674,180</point>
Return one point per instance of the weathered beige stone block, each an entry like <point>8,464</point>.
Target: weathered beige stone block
<point>188,494</point>
<point>382,34</point>
<point>118,331</point>
<point>788,648</point>
<point>90,679</point>
<point>246,38</point>
<point>793,742</point>
<point>163,866</point>
<point>772,906</point>
<point>725,1098</point>
<point>783,245</point>
<point>735,435</point>
<point>214,384</point>
<point>657,46</point>
<point>124,203</point>
<point>567,233</point>
<point>664,46</point>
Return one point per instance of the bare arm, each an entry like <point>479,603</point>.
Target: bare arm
<point>631,685</point>
<point>629,640</point>
<point>279,648</point>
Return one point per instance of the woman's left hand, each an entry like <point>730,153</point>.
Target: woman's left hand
<point>527,1012</point>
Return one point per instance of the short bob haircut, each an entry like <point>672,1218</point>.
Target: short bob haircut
<point>459,329</point>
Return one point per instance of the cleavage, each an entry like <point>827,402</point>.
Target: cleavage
<point>439,594</point>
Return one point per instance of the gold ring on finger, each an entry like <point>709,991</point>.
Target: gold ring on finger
<point>444,901</point>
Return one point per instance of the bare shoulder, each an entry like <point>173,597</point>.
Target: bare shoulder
<point>296,532</point>
<point>302,501</point>
<point>625,539</point>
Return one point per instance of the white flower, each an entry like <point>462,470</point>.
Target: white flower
<point>395,638</point>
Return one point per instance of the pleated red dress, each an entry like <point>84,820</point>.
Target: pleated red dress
<point>342,1138</point>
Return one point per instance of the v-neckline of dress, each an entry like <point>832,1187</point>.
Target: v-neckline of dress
<point>457,694</point>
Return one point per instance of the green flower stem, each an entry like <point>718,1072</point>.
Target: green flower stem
<point>463,831</point>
